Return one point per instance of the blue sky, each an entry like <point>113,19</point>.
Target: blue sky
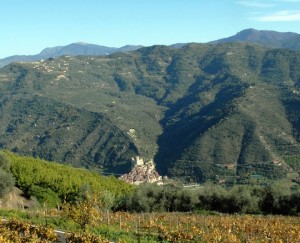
<point>28,26</point>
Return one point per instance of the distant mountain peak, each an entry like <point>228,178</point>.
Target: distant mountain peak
<point>267,38</point>
<point>81,43</point>
<point>266,34</point>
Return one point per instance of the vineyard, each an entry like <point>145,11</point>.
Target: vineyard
<point>162,227</point>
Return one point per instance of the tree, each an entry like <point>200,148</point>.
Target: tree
<point>6,178</point>
<point>84,212</point>
<point>4,163</point>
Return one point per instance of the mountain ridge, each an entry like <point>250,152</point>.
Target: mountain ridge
<point>269,38</point>
<point>272,39</point>
<point>73,49</point>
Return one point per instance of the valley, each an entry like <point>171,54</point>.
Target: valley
<point>150,121</point>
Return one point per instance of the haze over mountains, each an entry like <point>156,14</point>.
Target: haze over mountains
<point>220,112</point>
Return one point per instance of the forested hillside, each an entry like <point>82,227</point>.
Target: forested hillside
<point>53,183</point>
<point>226,112</point>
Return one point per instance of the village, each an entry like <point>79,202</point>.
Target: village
<point>143,172</point>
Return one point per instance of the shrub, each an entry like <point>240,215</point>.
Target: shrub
<point>6,178</point>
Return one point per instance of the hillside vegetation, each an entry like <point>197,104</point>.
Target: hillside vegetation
<point>93,208</point>
<point>226,112</point>
<point>52,183</point>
